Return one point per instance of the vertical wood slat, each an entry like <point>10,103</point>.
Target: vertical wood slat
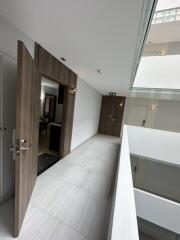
<point>68,115</point>
<point>27,116</point>
<point>53,69</point>
<point>111,107</point>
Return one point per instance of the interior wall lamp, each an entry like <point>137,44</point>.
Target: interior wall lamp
<point>163,52</point>
<point>73,91</point>
<point>152,107</point>
<point>121,104</point>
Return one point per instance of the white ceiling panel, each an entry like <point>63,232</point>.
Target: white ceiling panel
<point>90,34</point>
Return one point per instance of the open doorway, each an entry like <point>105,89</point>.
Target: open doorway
<point>50,123</point>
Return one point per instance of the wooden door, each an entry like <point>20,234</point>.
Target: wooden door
<point>27,131</point>
<point>118,106</point>
<point>112,109</point>
<point>106,124</point>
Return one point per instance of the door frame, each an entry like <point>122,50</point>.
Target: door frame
<point>54,72</point>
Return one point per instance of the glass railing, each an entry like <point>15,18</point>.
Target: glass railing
<point>165,16</point>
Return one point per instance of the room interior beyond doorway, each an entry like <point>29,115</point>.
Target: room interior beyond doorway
<point>50,123</point>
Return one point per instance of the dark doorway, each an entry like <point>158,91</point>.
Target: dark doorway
<point>50,107</point>
<point>50,124</point>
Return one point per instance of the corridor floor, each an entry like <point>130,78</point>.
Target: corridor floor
<point>72,199</point>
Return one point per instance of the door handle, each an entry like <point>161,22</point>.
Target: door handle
<point>113,119</point>
<point>18,145</point>
<point>24,145</point>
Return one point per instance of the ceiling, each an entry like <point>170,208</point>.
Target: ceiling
<point>91,35</point>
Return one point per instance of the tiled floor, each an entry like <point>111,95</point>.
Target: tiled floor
<point>72,199</point>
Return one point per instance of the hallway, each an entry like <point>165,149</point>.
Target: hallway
<point>72,199</point>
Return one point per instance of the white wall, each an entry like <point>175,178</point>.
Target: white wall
<point>158,210</point>
<point>155,144</point>
<point>165,116</point>
<point>133,103</point>
<point>168,115</point>
<point>86,115</point>
<point>123,222</point>
<point>9,37</point>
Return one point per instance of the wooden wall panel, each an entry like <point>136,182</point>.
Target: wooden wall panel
<point>51,67</point>
<point>66,133</point>
<point>68,115</point>
<point>72,79</point>
<point>112,109</point>
<point>64,75</point>
<point>54,69</point>
<point>119,111</point>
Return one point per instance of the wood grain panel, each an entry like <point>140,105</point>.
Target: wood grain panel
<point>112,109</point>
<point>51,67</point>
<point>64,75</point>
<point>68,115</point>
<point>119,110</point>
<point>27,116</point>
<point>54,69</point>
<point>72,79</point>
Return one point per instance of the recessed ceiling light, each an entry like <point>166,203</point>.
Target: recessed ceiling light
<point>149,42</point>
<point>63,59</point>
<point>98,70</point>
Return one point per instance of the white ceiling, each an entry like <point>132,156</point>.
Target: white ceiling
<point>91,34</point>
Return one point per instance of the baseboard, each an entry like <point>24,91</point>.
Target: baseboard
<point>73,149</point>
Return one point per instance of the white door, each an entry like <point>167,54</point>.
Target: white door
<point>137,115</point>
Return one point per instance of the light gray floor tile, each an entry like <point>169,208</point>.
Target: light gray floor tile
<point>72,199</point>
<point>70,173</point>
<point>63,232</point>
<point>38,225</point>
<point>97,183</point>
